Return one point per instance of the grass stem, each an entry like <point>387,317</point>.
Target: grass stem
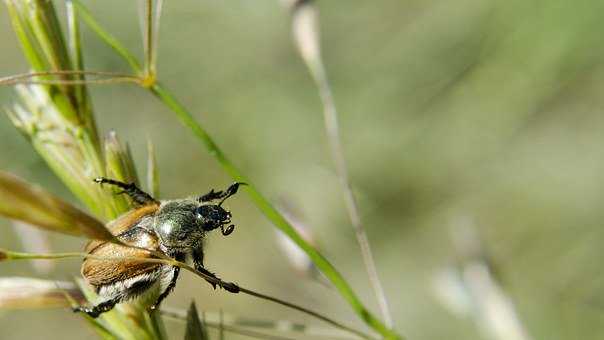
<point>273,214</point>
<point>306,34</point>
<point>11,255</point>
<point>27,78</point>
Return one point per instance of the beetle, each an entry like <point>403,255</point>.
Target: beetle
<point>176,228</point>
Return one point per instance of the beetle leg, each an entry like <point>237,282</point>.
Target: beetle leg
<point>198,263</point>
<point>130,189</point>
<point>231,190</point>
<point>99,309</point>
<point>209,273</point>
<point>210,196</point>
<point>216,195</point>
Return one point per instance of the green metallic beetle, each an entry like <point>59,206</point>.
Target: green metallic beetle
<point>176,228</point>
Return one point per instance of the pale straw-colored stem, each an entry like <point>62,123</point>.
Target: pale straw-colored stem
<point>306,34</point>
<point>29,78</point>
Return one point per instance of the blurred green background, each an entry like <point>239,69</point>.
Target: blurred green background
<point>467,110</point>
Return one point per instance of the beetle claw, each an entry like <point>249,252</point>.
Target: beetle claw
<point>228,230</point>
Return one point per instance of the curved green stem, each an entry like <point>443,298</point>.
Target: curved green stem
<point>273,215</point>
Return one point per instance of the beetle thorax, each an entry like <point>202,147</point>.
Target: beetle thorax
<point>177,225</point>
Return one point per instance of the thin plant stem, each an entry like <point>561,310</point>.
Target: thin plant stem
<point>182,316</point>
<point>305,23</point>
<point>305,310</point>
<point>155,41</point>
<point>148,37</point>
<point>229,286</point>
<point>335,145</point>
<point>265,325</point>
<point>26,78</point>
<point>80,82</point>
<point>150,16</point>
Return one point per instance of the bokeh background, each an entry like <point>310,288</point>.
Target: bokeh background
<point>481,113</point>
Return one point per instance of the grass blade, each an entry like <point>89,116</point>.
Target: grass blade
<point>195,328</point>
<point>119,166</point>
<point>24,34</point>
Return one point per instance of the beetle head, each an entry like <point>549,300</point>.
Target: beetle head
<point>214,216</point>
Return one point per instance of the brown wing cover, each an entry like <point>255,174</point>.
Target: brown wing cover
<point>129,227</point>
<point>130,218</point>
